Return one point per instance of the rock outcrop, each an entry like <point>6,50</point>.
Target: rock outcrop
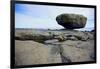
<point>61,35</point>
<point>31,53</point>
<point>71,21</point>
<point>63,46</point>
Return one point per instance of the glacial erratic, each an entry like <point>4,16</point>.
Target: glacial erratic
<point>71,21</point>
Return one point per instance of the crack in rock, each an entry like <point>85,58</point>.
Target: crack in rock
<point>58,49</point>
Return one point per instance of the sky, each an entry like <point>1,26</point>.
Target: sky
<point>44,16</point>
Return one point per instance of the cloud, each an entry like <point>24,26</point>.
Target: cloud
<point>23,21</point>
<point>40,16</point>
<point>47,11</point>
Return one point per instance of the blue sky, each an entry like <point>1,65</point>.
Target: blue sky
<point>40,16</point>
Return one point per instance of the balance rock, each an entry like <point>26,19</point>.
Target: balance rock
<point>71,21</point>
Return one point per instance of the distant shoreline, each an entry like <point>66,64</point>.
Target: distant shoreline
<point>50,29</point>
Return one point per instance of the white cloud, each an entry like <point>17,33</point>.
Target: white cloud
<point>23,21</point>
<point>38,16</point>
<point>47,11</point>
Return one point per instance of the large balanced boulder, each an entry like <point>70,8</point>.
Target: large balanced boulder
<point>71,21</point>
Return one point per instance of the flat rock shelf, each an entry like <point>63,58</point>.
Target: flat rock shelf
<point>53,46</point>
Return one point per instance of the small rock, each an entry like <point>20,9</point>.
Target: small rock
<point>50,41</point>
<point>72,38</point>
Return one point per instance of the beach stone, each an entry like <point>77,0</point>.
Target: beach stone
<point>71,21</point>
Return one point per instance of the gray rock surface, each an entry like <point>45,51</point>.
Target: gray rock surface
<point>71,21</point>
<point>31,53</point>
<point>62,46</point>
